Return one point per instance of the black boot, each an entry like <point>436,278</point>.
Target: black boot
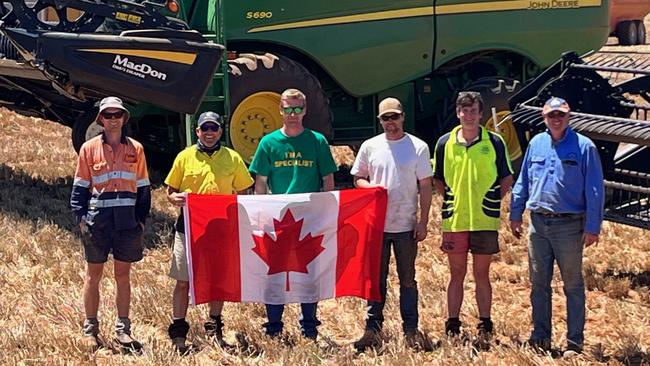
<point>178,334</point>
<point>452,327</point>
<point>485,330</point>
<point>214,329</point>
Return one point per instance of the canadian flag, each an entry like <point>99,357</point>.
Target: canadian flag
<point>290,248</point>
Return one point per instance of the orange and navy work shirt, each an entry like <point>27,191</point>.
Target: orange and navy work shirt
<point>111,189</point>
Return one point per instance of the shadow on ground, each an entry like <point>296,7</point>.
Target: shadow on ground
<point>38,200</point>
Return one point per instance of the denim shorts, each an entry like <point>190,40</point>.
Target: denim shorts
<point>126,245</point>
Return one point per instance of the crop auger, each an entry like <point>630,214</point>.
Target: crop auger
<point>609,93</point>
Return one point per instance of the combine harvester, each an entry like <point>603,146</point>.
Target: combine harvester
<point>162,57</point>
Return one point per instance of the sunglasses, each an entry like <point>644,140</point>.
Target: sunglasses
<point>468,94</point>
<point>392,116</point>
<point>556,115</point>
<point>296,110</point>
<point>210,127</point>
<point>109,115</point>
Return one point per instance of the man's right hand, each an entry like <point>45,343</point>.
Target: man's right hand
<point>176,199</point>
<point>83,227</point>
<point>515,227</point>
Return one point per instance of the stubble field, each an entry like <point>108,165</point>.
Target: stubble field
<point>42,270</point>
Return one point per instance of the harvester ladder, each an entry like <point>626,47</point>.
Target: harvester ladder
<point>217,97</point>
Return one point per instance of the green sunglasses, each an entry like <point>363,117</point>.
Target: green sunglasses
<point>296,110</point>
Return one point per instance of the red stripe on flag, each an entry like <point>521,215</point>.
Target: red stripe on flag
<point>362,214</point>
<point>214,245</point>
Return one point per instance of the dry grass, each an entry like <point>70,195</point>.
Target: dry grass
<point>41,274</point>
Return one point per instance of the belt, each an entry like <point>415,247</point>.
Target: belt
<point>552,214</point>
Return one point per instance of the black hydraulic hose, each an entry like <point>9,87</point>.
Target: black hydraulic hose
<point>190,12</point>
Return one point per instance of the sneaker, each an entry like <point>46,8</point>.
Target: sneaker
<point>128,344</point>
<point>452,327</point>
<point>419,341</point>
<point>572,350</point>
<point>370,339</point>
<point>123,336</point>
<point>90,335</point>
<point>539,345</point>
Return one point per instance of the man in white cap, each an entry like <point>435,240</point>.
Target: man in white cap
<point>111,198</point>
<point>203,168</point>
<point>561,183</point>
<point>400,163</point>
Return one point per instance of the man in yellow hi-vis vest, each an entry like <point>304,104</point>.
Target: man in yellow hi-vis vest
<point>472,172</point>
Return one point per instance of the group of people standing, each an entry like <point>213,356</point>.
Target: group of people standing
<point>560,182</point>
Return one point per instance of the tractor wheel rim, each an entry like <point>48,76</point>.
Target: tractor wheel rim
<point>256,116</point>
<point>508,132</point>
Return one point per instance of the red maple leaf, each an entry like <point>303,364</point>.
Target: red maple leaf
<point>287,253</point>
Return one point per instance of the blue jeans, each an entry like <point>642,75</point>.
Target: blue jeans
<point>308,320</point>
<point>405,249</point>
<point>556,239</point>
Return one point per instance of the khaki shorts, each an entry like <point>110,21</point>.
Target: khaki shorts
<point>178,270</point>
<point>476,242</point>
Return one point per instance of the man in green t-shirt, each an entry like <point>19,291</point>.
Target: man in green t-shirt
<point>293,159</point>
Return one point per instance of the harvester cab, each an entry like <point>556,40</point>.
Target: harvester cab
<point>152,58</point>
<point>609,94</point>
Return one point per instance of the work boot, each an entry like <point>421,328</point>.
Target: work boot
<point>214,329</point>
<point>539,345</point>
<point>123,336</point>
<point>485,331</point>
<point>452,327</point>
<point>371,339</point>
<point>178,334</point>
<point>90,336</point>
<point>418,341</point>
<point>572,350</point>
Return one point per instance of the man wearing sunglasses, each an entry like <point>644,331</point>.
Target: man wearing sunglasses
<point>400,163</point>
<point>472,171</point>
<point>561,183</point>
<point>111,199</point>
<point>204,168</point>
<point>293,159</point>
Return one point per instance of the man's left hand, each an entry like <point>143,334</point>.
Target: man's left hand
<point>589,239</point>
<point>420,232</point>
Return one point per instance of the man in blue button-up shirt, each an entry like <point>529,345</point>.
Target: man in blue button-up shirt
<point>561,183</point>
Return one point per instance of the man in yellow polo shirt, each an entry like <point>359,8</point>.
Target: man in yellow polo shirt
<point>204,168</point>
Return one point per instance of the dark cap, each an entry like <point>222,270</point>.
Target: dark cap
<point>210,116</point>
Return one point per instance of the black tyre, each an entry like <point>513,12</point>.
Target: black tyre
<point>640,32</point>
<point>495,92</point>
<point>256,83</point>
<point>626,32</point>
<point>84,129</point>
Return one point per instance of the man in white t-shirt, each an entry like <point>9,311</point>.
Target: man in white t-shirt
<point>400,163</point>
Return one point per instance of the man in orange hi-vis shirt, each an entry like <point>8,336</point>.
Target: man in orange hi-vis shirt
<point>111,198</point>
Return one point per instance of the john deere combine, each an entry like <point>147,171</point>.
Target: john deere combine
<point>162,56</point>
